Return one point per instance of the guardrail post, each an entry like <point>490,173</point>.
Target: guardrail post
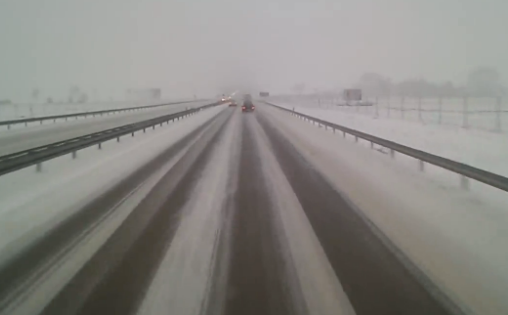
<point>153,127</point>
<point>144,129</point>
<point>74,154</point>
<point>372,145</point>
<point>498,114</point>
<point>421,165</point>
<point>8,127</point>
<point>465,112</point>
<point>392,153</point>
<point>38,167</point>
<point>343,134</point>
<point>132,134</point>
<point>464,182</point>
<point>99,145</point>
<point>117,139</point>
<point>356,138</point>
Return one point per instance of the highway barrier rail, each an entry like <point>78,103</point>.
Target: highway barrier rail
<point>25,121</point>
<point>35,156</point>
<point>466,171</point>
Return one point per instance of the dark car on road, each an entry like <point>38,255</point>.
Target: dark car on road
<point>248,106</point>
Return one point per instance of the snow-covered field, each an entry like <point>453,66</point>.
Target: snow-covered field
<point>25,110</point>
<point>20,137</point>
<point>488,114</point>
<point>479,148</point>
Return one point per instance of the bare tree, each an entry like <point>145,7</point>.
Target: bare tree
<point>35,94</point>
<point>299,88</point>
<point>375,84</point>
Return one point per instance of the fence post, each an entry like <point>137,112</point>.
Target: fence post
<point>498,114</point>
<point>440,110</point>
<point>377,106</point>
<point>465,122</point>
<point>402,107</point>
<point>388,108</point>
<point>420,108</point>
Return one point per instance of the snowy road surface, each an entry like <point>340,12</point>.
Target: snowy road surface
<point>21,138</point>
<point>233,216</point>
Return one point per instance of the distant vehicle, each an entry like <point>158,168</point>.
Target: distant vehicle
<point>248,106</point>
<point>232,103</point>
<point>264,94</point>
<point>352,95</point>
<point>247,97</point>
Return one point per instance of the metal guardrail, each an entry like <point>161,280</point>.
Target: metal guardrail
<point>464,170</point>
<point>35,156</point>
<point>25,121</point>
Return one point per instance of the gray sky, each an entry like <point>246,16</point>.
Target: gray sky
<point>203,45</point>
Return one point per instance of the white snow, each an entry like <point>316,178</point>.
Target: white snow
<point>482,149</point>
<point>30,110</point>
<point>456,237</point>
<point>322,291</point>
<point>31,203</point>
<point>181,283</point>
<point>23,138</point>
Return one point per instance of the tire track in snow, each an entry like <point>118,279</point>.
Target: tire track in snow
<point>375,281</point>
<point>117,277</point>
<point>26,269</point>
<point>313,278</point>
<point>256,278</point>
<point>182,282</point>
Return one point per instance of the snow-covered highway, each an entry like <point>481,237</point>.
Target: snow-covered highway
<point>242,213</point>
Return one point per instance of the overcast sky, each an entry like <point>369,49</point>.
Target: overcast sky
<point>203,45</point>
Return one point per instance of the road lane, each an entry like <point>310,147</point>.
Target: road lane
<point>26,268</point>
<point>374,279</point>
<point>118,276</point>
<point>256,280</point>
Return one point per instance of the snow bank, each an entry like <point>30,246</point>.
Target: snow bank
<point>481,149</point>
